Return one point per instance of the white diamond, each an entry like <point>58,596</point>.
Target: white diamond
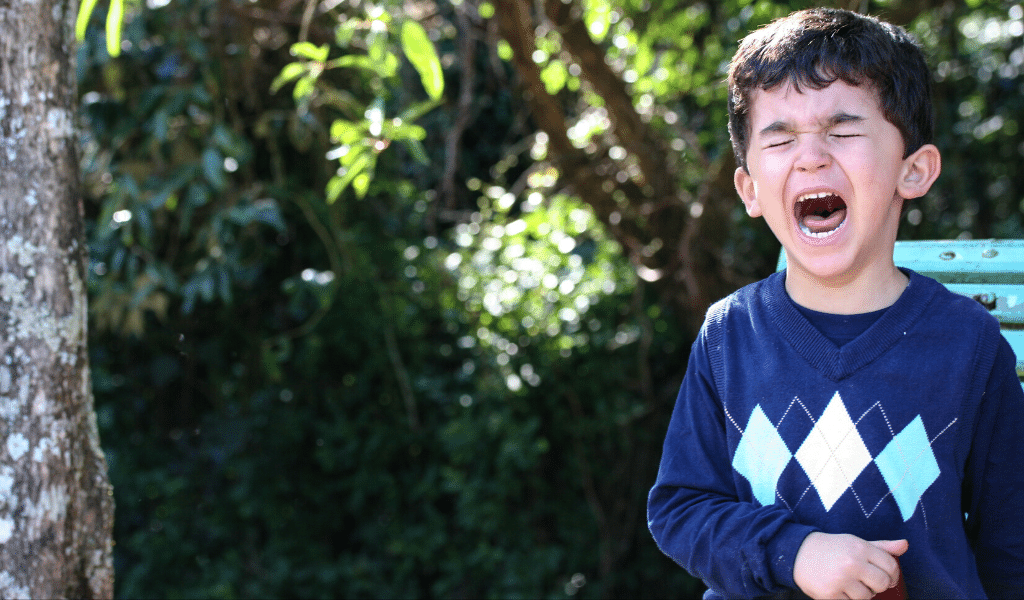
<point>833,455</point>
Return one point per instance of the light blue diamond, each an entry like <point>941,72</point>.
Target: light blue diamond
<point>761,456</point>
<point>908,465</point>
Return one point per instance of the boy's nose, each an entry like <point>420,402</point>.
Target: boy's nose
<point>813,155</point>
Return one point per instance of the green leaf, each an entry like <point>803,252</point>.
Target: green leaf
<point>310,51</point>
<point>197,195</point>
<point>263,211</point>
<point>343,34</point>
<point>115,18</point>
<point>82,21</point>
<point>213,168</point>
<point>346,132</point>
<point>289,73</point>
<point>504,50</point>
<point>598,17</point>
<point>388,66</point>
<point>353,61</point>
<point>304,87</point>
<point>360,169</point>
<point>361,184</point>
<point>334,189</point>
<point>376,44</point>
<point>417,110</point>
<point>403,131</point>
<point>416,150</point>
<point>420,52</point>
<point>353,156</point>
<point>554,76</point>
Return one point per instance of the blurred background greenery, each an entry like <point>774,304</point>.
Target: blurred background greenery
<point>387,310</point>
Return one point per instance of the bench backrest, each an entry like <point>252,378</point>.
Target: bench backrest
<point>990,271</point>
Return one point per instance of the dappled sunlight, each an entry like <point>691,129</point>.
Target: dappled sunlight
<point>535,274</point>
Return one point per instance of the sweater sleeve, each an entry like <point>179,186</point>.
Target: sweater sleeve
<point>994,481</point>
<point>740,549</point>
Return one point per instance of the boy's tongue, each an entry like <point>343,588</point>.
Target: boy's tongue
<point>819,215</point>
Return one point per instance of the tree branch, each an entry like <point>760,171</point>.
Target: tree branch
<point>675,248</point>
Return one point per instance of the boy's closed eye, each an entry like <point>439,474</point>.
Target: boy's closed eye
<point>844,133</point>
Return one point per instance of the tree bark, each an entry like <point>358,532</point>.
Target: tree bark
<point>56,504</point>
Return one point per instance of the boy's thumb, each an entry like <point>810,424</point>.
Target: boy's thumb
<point>893,547</point>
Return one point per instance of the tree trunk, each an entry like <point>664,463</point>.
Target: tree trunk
<point>56,504</point>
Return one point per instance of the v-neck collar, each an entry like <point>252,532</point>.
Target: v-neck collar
<point>835,362</point>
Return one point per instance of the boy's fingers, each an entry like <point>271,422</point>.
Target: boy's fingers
<point>885,564</point>
<point>877,579</point>
<point>893,547</point>
<point>858,591</point>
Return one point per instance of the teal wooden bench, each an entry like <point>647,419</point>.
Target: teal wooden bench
<point>990,271</point>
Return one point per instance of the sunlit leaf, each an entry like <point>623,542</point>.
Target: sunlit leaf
<point>82,21</point>
<point>388,67</point>
<point>353,61</point>
<point>361,184</point>
<point>403,131</point>
<point>420,51</point>
<point>362,165</point>
<point>310,51</point>
<point>377,41</point>
<point>345,31</point>
<point>334,189</point>
<point>598,18</point>
<point>347,132</point>
<point>115,16</point>
<point>504,50</point>
<point>289,73</point>
<point>554,76</point>
<point>353,156</point>
<point>304,87</point>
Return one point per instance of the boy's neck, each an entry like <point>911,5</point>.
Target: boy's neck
<point>866,292</point>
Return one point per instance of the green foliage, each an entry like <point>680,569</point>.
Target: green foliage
<point>977,56</point>
<point>322,371</point>
<point>420,51</point>
<point>360,140</point>
<point>114,22</point>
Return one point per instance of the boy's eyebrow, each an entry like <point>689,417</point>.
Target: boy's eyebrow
<point>832,121</point>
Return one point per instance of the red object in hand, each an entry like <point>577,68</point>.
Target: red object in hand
<point>898,592</point>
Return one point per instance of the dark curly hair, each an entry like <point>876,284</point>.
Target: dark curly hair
<point>818,46</point>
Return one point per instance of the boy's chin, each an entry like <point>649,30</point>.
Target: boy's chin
<point>838,270</point>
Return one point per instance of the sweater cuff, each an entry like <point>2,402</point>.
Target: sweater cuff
<point>782,551</point>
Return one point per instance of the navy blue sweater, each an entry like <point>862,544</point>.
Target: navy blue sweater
<point>899,433</point>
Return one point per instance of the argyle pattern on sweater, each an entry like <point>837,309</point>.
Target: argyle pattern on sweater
<point>833,455</point>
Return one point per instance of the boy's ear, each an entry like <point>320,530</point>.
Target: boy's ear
<point>919,172</point>
<point>748,191</point>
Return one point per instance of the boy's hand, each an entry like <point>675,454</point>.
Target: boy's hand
<point>845,566</point>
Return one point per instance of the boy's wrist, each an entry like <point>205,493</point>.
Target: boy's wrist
<point>782,549</point>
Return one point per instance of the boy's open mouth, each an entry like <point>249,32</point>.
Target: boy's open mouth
<point>820,215</point>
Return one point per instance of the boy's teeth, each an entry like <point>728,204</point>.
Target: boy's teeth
<point>820,234</point>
